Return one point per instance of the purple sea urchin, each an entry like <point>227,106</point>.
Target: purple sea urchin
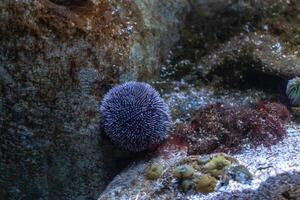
<point>135,117</point>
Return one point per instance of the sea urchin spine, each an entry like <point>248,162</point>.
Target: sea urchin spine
<point>134,116</point>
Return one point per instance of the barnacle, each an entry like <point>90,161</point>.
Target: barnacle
<point>293,90</point>
<point>134,116</point>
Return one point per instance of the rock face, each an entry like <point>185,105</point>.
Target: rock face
<point>231,43</point>
<point>57,59</point>
<point>248,57</point>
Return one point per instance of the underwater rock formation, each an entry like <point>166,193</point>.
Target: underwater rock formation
<point>231,43</point>
<point>58,58</point>
<point>248,57</point>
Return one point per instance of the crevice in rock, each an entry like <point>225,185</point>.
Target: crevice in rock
<point>245,73</point>
<point>286,195</point>
<point>72,3</point>
<point>211,23</point>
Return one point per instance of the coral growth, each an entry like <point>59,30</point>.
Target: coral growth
<point>206,184</point>
<point>183,172</point>
<point>154,171</point>
<point>134,116</point>
<point>225,128</point>
<point>201,173</point>
<point>216,166</point>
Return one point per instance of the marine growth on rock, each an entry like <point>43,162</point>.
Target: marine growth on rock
<point>135,117</point>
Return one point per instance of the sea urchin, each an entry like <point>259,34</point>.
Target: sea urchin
<point>134,116</point>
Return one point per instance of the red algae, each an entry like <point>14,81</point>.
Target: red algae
<point>222,128</point>
<point>275,109</point>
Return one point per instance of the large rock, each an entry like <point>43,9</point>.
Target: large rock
<point>57,59</point>
<point>245,39</point>
<point>254,59</point>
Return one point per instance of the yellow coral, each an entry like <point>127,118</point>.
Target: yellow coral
<point>205,184</point>
<point>154,171</point>
<point>216,166</point>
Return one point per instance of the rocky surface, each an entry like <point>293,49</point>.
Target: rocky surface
<point>185,98</point>
<point>252,59</point>
<point>231,43</point>
<point>57,59</point>
<point>275,175</point>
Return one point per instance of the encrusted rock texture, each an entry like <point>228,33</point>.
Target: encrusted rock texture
<point>57,59</point>
<point>232,43</point>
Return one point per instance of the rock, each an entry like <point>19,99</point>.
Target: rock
<point>253,56</point>
<point>239,173</point>
<point>231,43</point>
<point>275,170</point>
<point>57,60</point>
<point>158,32</point>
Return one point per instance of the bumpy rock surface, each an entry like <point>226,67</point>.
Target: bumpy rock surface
<point>253,59</point>
<point>232,43</point>
<point>57,59</point>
